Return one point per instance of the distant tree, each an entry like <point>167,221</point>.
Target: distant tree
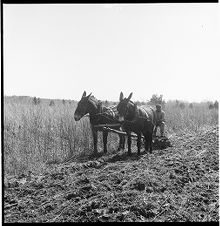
<point>51,103</point>
<point>182,105</point>
<point>155,99</point>
<point>216,104</point>
<point>191,105</point>
<point>36,100</point>
<point>138,103</point>
<point>211,106</point>
<point>177,103</point>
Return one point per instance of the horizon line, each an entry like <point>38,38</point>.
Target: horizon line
<point>192,101</point>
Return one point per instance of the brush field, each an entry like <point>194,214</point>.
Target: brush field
<point>50,174</point>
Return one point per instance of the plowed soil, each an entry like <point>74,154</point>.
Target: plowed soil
<point>179,183</point>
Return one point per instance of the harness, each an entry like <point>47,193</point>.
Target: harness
<point>146,113</point>
<point>110,111</point>
<point>136,117</point>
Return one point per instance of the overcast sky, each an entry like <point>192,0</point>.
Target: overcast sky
<point>58,51</point>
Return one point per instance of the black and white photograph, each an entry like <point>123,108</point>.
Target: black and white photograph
<point>110,112</point>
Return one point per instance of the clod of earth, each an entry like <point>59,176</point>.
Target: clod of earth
<point>179,183</point>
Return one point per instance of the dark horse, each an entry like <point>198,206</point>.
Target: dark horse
<point>137,119</point>
<point>98,114</point>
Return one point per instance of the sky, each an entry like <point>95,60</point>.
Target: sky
<point>58,51</point>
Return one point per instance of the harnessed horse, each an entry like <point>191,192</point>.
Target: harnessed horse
<point>137,119</point>
<point>99,114</point>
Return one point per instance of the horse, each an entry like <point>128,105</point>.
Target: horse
<point>137,119</point>
<point>99,114</point>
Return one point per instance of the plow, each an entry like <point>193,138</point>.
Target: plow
<point>158,142</point>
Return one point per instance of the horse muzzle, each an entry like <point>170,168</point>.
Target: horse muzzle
<point>77,117</point>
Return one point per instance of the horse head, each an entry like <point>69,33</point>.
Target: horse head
<point>82,107</point>
<point>124,106</point>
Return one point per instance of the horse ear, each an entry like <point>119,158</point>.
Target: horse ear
<point>84,94</point>
<point>89,95</point>
<point>130,96</point>
<point>121,96</point>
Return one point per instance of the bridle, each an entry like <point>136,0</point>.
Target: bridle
<point>126,110</point>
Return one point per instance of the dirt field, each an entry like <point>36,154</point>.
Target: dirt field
<point>179,183</point>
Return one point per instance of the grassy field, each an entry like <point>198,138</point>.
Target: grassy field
<point>179,183</point>
<point>37,135</point>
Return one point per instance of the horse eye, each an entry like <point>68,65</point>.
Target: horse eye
<point>119,108</point>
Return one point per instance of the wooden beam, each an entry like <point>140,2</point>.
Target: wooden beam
<point>107,125</point>
<point>120,132</point>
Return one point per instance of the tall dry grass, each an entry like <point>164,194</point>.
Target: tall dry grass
<point>39,134</point>
<point>35,135</point>
<point>189,119</point>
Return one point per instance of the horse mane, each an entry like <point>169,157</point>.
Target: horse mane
<point>93,98</point>
<point>96,102</point>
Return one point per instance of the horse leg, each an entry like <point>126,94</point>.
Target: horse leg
<point>155,130</point>
<point>105,136</point>
<point>146,144</point>
<point>129,143</point>
<point>94,133</point>
<point>148,141</point>
<point>139,143</point>
<point>121,142</point>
